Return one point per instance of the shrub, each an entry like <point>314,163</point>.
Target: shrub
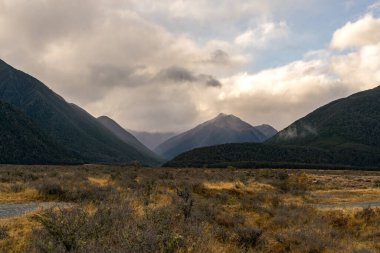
<point>187,202</point>
<point>50,189</point>
<point>17,187</point>
<point>146,188</point>
<point>3,232</point>
<point>63,230</point>
<point>366,214</point>
<point>248,236</point>
<point>136,165</point>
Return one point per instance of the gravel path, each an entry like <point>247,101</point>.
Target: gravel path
<point>10,210</point>
<point>349,205</point>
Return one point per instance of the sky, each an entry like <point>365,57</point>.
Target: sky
<point>169,65</point>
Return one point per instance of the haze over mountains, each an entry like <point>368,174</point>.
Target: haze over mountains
<point>222,129</point>
<point>152,140</point>
<point>39,126</point>
<point>71,127</point>
<point>345,132</point>
<point>125,136</point>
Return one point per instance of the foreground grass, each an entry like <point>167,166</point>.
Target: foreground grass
<point>127,209</point>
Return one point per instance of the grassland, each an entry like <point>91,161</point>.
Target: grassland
<point>133,209</point>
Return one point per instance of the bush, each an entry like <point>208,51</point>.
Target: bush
<point>50,189</point>
<point>136,165</point>
<point>247,236</point>
<point>112,228</point>
<point>63,230</point>
<point>187,202</point>
<point>3,232</point>
<point>17,188</point>
<point>366,214</point>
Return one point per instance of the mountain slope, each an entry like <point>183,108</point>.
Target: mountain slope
<point>220,130</point>
<point>352,122</point>
<point>345,132</point>
<point>152,140</point>
<point>125,136</point>
<point>70,126</point>
<point>267,130</point>
<point>22,142</point>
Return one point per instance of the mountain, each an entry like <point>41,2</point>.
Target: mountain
<point>222,129</point>
<point>22,142</point>
<point>152,140</point>
<point>68,125</point>
<point>267,130</point>
<point>343,133</point>
<point>125,136</point>
<point>352,122</point>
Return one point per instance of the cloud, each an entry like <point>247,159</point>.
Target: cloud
<point>364,31</point>
<point>182,75</point>
<point>75,47</point>
<point>262,35</point>
<point>374,7</point>
<point>176,74</point>
<point>285,93</point>
<point>168,65</point>
<point>359,69</point>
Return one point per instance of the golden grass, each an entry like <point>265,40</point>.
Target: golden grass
<point>28,195</point>
<point>99,181</point>
<point>227,185</point>
<point>224,189</point>
<point>20,230</point>
<point>345,196</point>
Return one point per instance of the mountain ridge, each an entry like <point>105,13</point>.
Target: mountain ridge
<point>69,125</point>
<point>345,132</point>
<point>219,130</point>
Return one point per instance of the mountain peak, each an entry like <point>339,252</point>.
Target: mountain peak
<point>220,130</point>
<point>223,115</point>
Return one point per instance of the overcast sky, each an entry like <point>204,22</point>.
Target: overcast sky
<point>168,65</point>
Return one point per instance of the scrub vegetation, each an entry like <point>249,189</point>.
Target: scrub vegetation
<point>136,209</point>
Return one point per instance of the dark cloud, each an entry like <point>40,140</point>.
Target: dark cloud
<point>214,83</point>
<point>210,80</point>
<point>109,75</point>
<point>176,74</point>
<point>220,57</point>
<point>181,75</point>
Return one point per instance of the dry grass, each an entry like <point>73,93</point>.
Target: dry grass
<point>28,194</point>
<point>99,181</point>
<point>124,209</point>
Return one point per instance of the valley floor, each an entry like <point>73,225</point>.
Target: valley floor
<point>98,208</point>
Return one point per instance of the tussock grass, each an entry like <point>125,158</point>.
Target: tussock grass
<point>134,209</point>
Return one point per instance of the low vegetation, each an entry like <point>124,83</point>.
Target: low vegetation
<point>268,155</point>
<point>135,209</point>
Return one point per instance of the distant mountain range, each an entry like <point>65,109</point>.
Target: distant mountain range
<point>345,132</point>
<point>222,129</point>
<point>150,139</point>
<point>267,130</point>
<point>125,136</point>
<point>40,127</point>
<point>67,125</point>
